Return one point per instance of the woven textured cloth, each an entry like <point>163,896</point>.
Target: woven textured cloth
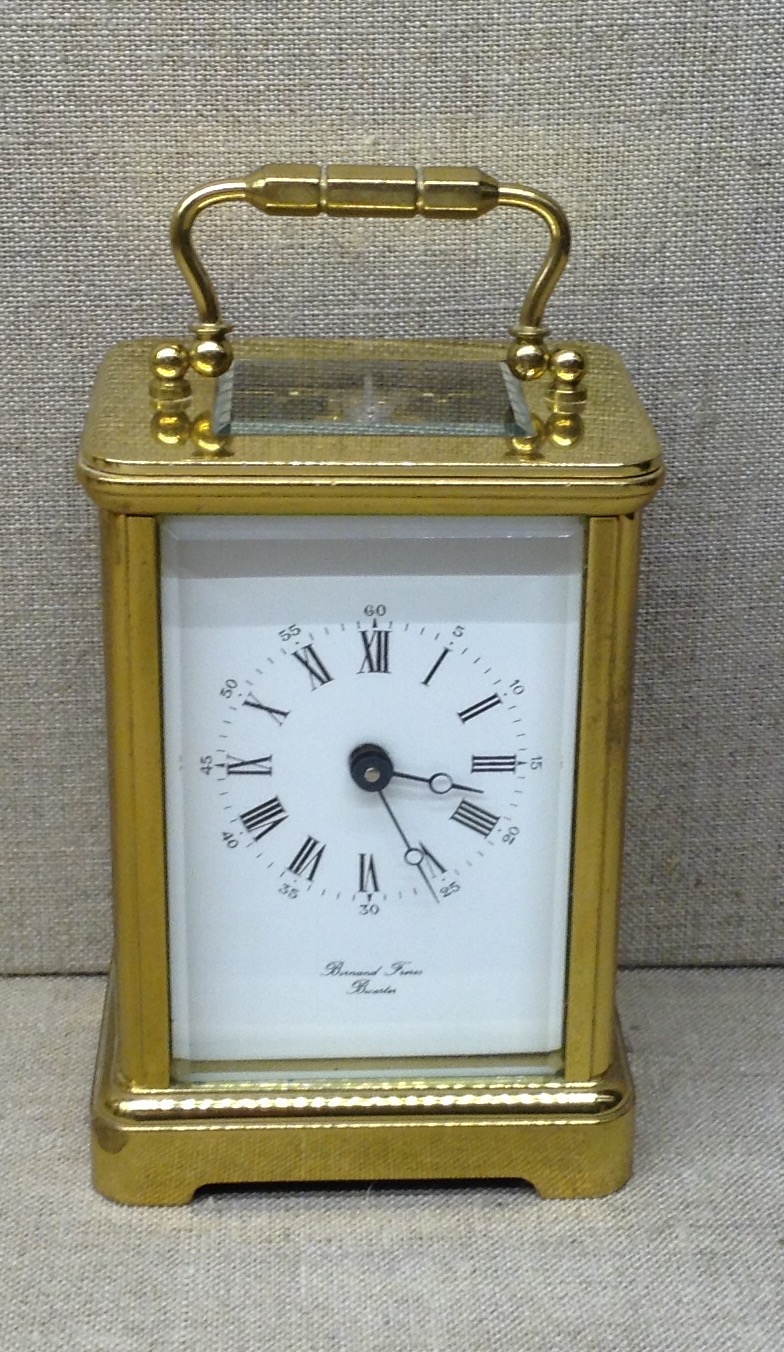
<point>687,1256</point>
<point>658,128</point>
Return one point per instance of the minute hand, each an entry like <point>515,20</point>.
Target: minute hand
<point>439,783</point>
<point>411,850</point>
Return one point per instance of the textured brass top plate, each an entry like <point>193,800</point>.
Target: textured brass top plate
<point>612,465</point>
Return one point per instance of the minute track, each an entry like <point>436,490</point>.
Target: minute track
<point>339,665</point>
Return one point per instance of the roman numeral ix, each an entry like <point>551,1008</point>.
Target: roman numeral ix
<point>262,765</point>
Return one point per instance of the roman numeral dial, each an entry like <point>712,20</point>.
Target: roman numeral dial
<point>349,764</point>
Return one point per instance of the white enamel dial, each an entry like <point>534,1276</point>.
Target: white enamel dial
<point>369,737</point>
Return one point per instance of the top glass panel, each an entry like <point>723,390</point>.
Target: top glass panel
<point>376,396</point>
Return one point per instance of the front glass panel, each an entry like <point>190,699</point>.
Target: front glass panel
<point>369,761</point>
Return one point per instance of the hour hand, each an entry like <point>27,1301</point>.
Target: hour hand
<point>439,783</point>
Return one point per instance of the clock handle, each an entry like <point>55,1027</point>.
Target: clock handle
<point>361,190</point>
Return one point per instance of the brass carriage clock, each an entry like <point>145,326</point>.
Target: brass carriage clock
<point>369,625</point>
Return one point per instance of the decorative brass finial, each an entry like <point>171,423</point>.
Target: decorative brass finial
<point>567,365</point>
<point>171,361</point>
<point>527,360</point>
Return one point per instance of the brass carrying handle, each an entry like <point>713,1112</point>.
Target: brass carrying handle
<point>360,190</point>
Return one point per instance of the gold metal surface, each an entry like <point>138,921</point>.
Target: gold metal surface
<point>610,464</point>
<point>602,744</point>
<point>159,448</point>
<point>367,190</point>
<point>134,715</point>
<point>137,1093</point>
<point>568,1140</point>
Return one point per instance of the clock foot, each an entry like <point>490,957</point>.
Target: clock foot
<point>158,1146</point>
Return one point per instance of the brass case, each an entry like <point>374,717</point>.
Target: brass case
<point>568,1133</point>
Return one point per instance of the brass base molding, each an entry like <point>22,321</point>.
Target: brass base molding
<point>157,1148</point>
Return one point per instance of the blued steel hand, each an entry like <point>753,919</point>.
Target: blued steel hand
<point>439,783</point>
<point>413,854</point>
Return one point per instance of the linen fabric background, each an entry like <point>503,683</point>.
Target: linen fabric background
<point>656,127</point>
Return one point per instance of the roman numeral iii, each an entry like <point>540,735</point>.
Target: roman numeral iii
<point>475,818</point>
<point>487,764</point>
<point>376,645</point>
<point>260,820</point>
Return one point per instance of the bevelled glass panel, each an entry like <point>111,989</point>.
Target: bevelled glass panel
<point>370,396</point>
